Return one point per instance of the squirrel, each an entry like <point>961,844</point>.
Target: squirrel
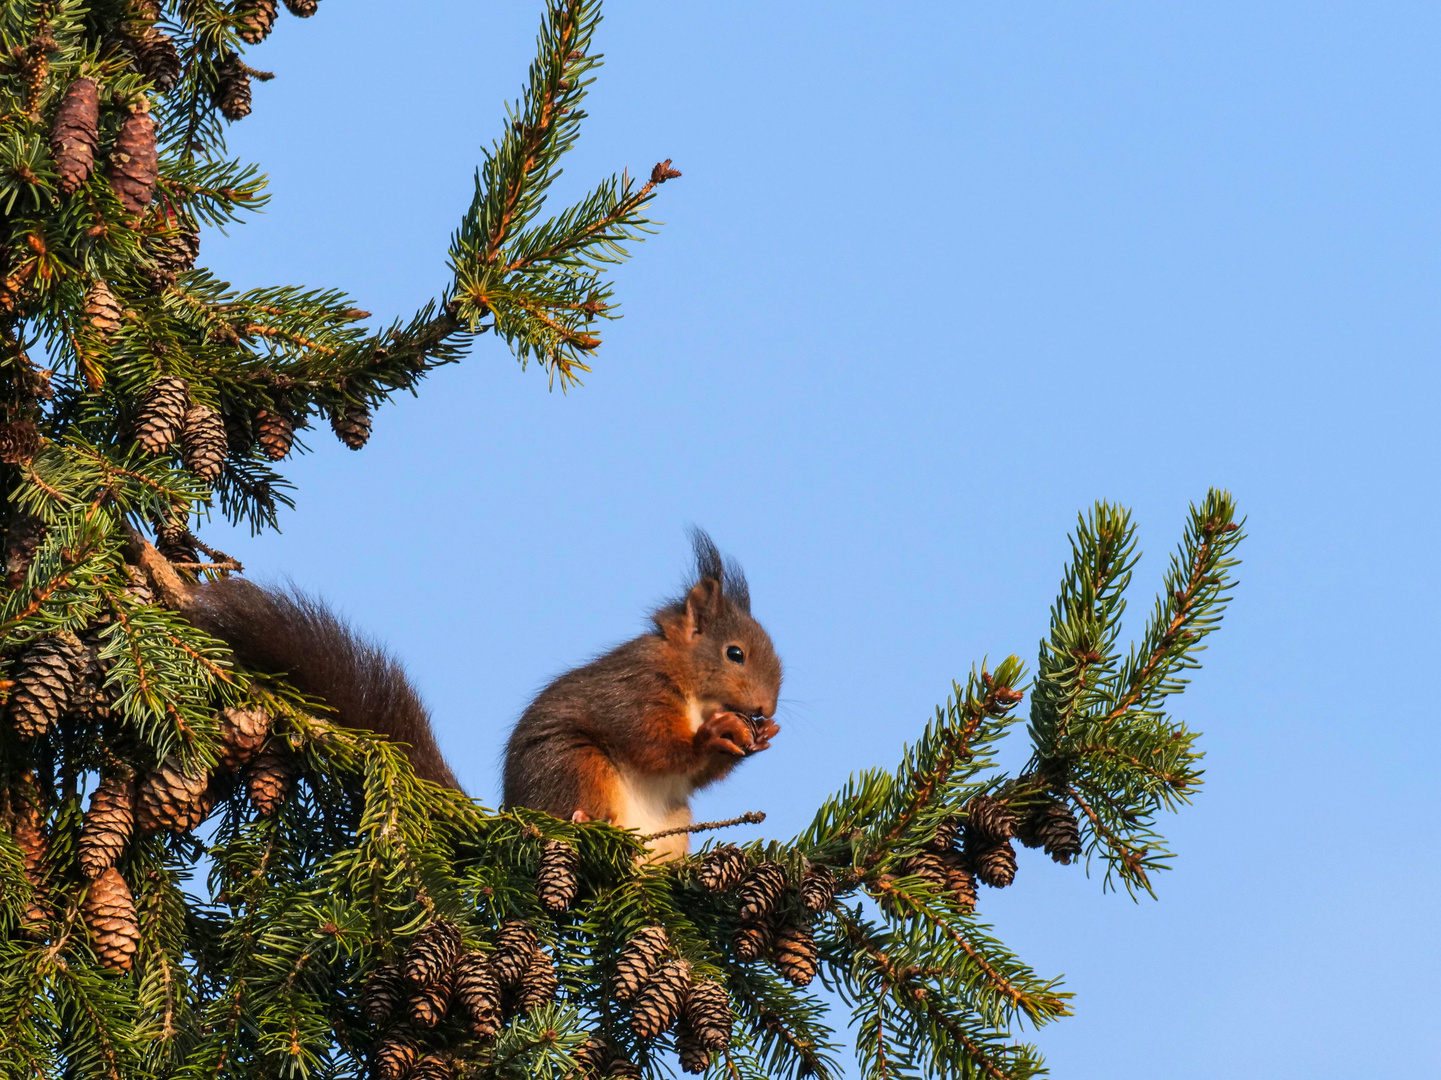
<point>626,738</point>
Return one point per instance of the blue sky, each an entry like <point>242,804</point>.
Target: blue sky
<point>937,277</point>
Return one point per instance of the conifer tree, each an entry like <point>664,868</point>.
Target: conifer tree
<point>202,876</point>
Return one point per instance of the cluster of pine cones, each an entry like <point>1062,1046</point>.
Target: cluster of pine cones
<point>441,992</point>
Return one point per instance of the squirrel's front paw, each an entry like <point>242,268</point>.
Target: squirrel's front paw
<point>726,733</point>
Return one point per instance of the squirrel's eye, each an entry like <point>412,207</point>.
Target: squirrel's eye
<point>735,655</point>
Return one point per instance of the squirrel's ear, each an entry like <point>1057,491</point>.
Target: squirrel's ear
<point>702,605</point>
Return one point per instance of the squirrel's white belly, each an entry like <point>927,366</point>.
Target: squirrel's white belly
<point>652,804</point>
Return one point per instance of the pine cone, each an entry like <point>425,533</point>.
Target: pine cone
<point>948,836</point>
<point>90,700</point>
<point>721,869</point>
<point>708,1015</point>
<point>242,733</point>
<point>1053,827</point>
<point>134,164</point>
<point>621,1069</point>
<point>693,1056</point>
<point>157,59</point>
<point>432,953</point>
<point>383,994</point>
<point>591,1058</point>
<point>477,994</point>
<point>267,778</point>
<point>108,824</point>
<point>433,1067</point>
<point>110,917</point>
<point>174,540</point>
<point>172,799</point>
<point>74,136</point>
<point>102,309</point>
<point>990,818</point>
<point>202,442</point>
<point>352,425</point>
<point>231,92</point>
<point>539,985</point>
<point>660,999</point>
<point>556,881</point>
<point>22,540</point>
<point>818,889</point>
<point>44,680</point>
<point>996,864</point>
<point>19,442</point>
<point>275,432</point>
<point>396,1056</point>
<point>926,865</point>
<point>637,959</point>
<point>794,953</point>
<point>302,9</point>
<point>27,828</point>
<point>429,1003</point>
<point>173,250</point>
<point>513,946</point>
<point>761,891</point>
<point>752,941</point>
<point>960,882</point>
<point>254,19</point>
<point>161,414</point>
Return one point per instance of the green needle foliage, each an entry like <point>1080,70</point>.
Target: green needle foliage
<point>203,876</point>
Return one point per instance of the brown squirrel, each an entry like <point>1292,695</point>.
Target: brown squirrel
<point>626,739</point>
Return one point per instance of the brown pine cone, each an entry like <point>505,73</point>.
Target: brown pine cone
<point>621,1069</point>
<point>275,432</point>
<point>173,250</point>
<point>794,953</point>
<point>995,865</point>
<point>134,163</point>
<point>539,985</point>
<point>708,1015</point>
<point>19,442</point>
<point>818,889</point>
<point>428,1004</point>
<point>44,680</point>
<point>926,865</point>
<point>242,733</point>
<point>74,137</point>
<point>477,994</point>
<point>433,1067</point>
<point>383,995</point>
<point>693,1056</point>
<point>1053,827</point>
<point>157,59</point>
<point>637,959</point>
<point>761,891</point>
<point>268,777</point>
<point>302,9</point>
<point>174,540</point>
<point>991,819</point>
<point>254,20</point>
<point>351,425</point>
<point>102,310</point>
<point>659,1001</point>
<point>109,912</point>
<point>396,1056</point>
<point>231,92</point>
<point>960,882</point>
<point>27,827</point>
<point>752,941</point>
<point>721,869</point>
<point>161,414</point>
<point>432,953</point>
<point>172,799</point>
<point>90,700</point>
<point>557,881</point>
<point>202,442</point>
<point>108,823</point>
<point>591,1058</point>
<point>513,946</point>
<point>22,540</point>
<point>947,836</point>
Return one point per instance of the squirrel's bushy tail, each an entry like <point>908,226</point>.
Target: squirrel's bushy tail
<point>289,632</point>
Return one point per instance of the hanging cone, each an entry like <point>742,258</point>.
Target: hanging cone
<point>927,866</point>
<point>110,917</point>
<point>157,59</point>
<point>108,824</point>
<point>708,1015</point>
<point>19,442</point>
<point>761,891</point>
<point>818,889</point>
<point>591,1058</point>
<point>990,818</point>
<point>102,310</point>
<point>254,19</point>
<point>383,995</point>
<point>721,869</point>
<point>231,92</point>
<point>242,733</point>
<point>477,995</point>
<point>557,881</point>
<point>202,442</point>
<point>960,882</point>
<point>302,8</point>
<point>433,1067</point>
<point>267,778</point>
<point>134,163</point>
<point>22,540</point>
<point>275,432</point>
<point>693,1056</point>
<point>396,1056</point>
<point>995,864</point>
<point>351,425</point>
<point>794,953</point>
<point>172,251</point>
<point>621,1069</point>
<point>513,946</point>
<point>26,820</point>
<point>74,136</point>
<point>90,700</point>
<point>432,953</point>
<point>751,942</point>
<point>173,799</point>
<point>948,836</point>
<point>139,587</point>
<point>637,959</point>
<point>44,680</point>
<point>174,540</point>
<point>429,1003</point>
<point>1053,827</point>
<point>539,985</point>
<point>161,414</point>
<point>659,1001</point>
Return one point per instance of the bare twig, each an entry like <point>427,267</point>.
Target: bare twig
<point>750,817</point>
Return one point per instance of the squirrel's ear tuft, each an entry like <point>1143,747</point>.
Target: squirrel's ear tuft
<point>726,572</point>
